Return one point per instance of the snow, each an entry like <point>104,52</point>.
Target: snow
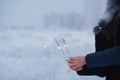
<point>28,50</point>
<point>24,55</point>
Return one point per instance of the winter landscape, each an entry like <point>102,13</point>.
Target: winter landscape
<point>28,29</point>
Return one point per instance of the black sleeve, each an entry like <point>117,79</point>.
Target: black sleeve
<point>100,71</point>
<point>109,57</point>
<point>92,71</point>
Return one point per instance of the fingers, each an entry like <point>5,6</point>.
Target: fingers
<point>78,69</point>
<point>71,65</point>
<point>75,67</point>
<point>71,58</point>
<point>76,63</point>
<point>70,61</point>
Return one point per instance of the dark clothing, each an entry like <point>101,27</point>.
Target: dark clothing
<point>113,6</point>
<point>111,73</point>
<point>103,63</point>
<point>106,60</point>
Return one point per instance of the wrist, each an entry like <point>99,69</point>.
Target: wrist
<point>84,60</point>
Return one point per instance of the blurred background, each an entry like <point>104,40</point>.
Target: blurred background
<point>27,32</point>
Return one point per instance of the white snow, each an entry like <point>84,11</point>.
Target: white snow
<point>29,52</point>
<point>24,55</point>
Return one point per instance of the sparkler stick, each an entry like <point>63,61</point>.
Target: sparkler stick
<point>65,45</point>
<point>59,47</point>
<point>62,47</point>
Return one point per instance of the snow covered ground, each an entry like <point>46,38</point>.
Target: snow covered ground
<point>31,54</point>
<point>28,50</point>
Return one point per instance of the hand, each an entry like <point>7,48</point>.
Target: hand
<point>119,14</point>
<point>76,63</point>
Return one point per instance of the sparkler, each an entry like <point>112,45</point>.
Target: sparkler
<point>59,47</point>
<point>62,47</point>
<point>66,47</point>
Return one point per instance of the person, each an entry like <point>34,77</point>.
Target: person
<point>105,61</point>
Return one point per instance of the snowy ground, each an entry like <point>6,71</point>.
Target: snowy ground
<point>31,54</point>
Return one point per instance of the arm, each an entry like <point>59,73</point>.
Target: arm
<point>109,57</point>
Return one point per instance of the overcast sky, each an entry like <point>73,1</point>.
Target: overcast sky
<point>31,12</point>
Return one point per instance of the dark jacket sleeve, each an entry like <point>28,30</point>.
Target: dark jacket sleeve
<point>108,57</point>
<point>93,71</point>
<point>100,71</point>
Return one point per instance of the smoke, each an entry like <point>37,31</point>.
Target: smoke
<point>112,7</point>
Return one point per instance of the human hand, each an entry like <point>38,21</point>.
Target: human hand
<point>76,63</point>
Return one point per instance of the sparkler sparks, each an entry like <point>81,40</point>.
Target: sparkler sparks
<point>62,47</point>
<point>59,47</point>
<point>45,46</point>
<point>66,47</point>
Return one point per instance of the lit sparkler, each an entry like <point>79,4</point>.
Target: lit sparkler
<point>62,47</point>
<point>59,47</point>
<point>66,47</point>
